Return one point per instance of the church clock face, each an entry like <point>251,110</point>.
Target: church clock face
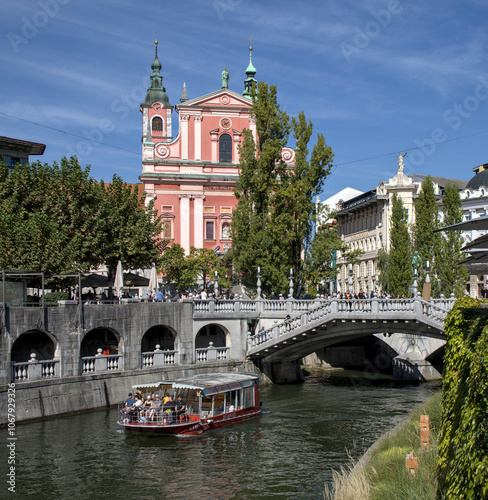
<point>157,106</point>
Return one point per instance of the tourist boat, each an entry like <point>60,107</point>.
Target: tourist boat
<point>211,401</point>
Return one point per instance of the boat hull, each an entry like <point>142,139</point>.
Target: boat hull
<point>192,427</point>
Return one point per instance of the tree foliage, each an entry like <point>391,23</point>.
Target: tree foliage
<point>274,218</point>
<point>452,273</point>
<point>58,219</point>
<point>399,261</point>
<point>463,438</point>
<point>427,244</point>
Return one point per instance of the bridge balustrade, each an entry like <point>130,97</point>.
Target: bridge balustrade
<point>35,370</point>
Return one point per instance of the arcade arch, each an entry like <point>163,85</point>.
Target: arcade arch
<point>43,345</point>
<point>214,333</point>
<point>158,335</point>
<point>100,338</point>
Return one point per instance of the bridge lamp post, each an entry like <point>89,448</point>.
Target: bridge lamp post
<point>415,284</point>
<point>216,287</point>
<point>427,272</point>
<point>349,280</point>
<point>259,282</point>
<point>290,294</point>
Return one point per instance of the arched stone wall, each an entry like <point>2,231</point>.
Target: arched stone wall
<point>39,342</point>
<point>103,338</point>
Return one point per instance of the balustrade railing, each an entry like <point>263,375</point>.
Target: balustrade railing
<point>98,364</point>
<point>35,370</point>
<point>159,358</point>
<point>205,354</point>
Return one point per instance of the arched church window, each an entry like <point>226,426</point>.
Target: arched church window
<point>157,124</point>
<point>225,148</point>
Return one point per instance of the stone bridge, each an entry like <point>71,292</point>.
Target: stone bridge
<point>102,348</point>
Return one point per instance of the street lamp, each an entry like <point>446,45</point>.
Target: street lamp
<point>259,282</point>
<point>216,287</point>
<point>349,280</point>
<point>290,294</point>
<point>415,284</point>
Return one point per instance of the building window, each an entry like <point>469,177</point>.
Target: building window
<point>225,148</point>
<point>209,210</point>
<point>209,230</point>
<point>225,210</point>
<point>157,124</point>
<point>167,230</point>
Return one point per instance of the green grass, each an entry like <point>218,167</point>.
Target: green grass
<point>384,471</point>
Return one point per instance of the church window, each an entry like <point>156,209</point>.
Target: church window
<point>157,124</point>
<point>225,148</point>
<point>209,230</point>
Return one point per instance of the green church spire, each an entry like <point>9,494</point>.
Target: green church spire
<point>250,72</point>
<point>156,91</point>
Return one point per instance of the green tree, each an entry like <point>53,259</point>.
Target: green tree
<point>131,231</point>
<point>321,255</point>
<point>175,266</point>
<point>204,263</point>
<point>427,244</point>
<point>273,221</point>
<point>400,274</point>
<point>58,219</point>
<point>452,273</point>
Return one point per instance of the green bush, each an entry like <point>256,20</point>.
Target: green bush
<point>53,297</point>
<point>463,439</point>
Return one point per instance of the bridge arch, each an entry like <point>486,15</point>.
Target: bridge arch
<point>40,342</point>
<point>107,339</point>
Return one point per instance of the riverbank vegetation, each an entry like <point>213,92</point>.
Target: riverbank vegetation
<point>381,474</point>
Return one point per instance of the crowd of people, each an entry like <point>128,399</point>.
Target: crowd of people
<point>153,408</point>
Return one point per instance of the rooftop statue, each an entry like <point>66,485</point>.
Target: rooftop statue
<point>401,166</point>
<point>225,78</point>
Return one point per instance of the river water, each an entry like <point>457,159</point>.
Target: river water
<point>289,451</point>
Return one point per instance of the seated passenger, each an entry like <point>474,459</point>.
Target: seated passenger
<point>129,403</point>
<point>180,406</point>
<point>220,408</point>
<point>169,409</point>
<point>147,406</point>
<point>155,408</point>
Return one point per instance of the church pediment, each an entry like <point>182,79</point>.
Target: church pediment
<point>220,98</point>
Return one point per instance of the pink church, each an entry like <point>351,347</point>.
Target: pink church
<point>191,177</point>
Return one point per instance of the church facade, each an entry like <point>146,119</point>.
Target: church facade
<point>191,177</point>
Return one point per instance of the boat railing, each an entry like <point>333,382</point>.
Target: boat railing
<point>153,416</point>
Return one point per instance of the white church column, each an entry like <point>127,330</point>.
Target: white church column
<point>252,128</point>
<point>185,222</point>
<point>184,136</point>
<point>198,137</point>
<point>198,220</point>
<point>215,146</point>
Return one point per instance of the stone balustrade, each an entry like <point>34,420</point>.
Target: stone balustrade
<point>35,370</point>
<point>101,363</point>
<point>159,358</point>
<point>211,353</point>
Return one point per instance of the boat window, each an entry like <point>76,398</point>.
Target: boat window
<point>247,397</point>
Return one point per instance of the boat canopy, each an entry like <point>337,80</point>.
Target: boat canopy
<point>214,383</point>
<point>208,383</point>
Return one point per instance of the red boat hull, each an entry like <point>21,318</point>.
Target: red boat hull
<point>193,426</point>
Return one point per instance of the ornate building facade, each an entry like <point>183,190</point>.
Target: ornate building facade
<point>363,223</point>
<point>191,177</point>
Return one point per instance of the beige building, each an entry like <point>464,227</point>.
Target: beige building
<point>363,223</point>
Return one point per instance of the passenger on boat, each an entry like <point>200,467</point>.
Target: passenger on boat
<point>220,408</point>
<point>129,403</point>
<point>155,408</point>
<point>180,406</point>
<point>147,407</point>
<point>138,404</point>
<point>169,409</point>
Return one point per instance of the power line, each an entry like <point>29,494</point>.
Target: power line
<point>68,133</point>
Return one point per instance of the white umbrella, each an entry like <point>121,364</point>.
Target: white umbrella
<point>119,278</point>
<point>153,279</point>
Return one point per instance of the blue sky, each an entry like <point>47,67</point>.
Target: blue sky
<point>375,77</point>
